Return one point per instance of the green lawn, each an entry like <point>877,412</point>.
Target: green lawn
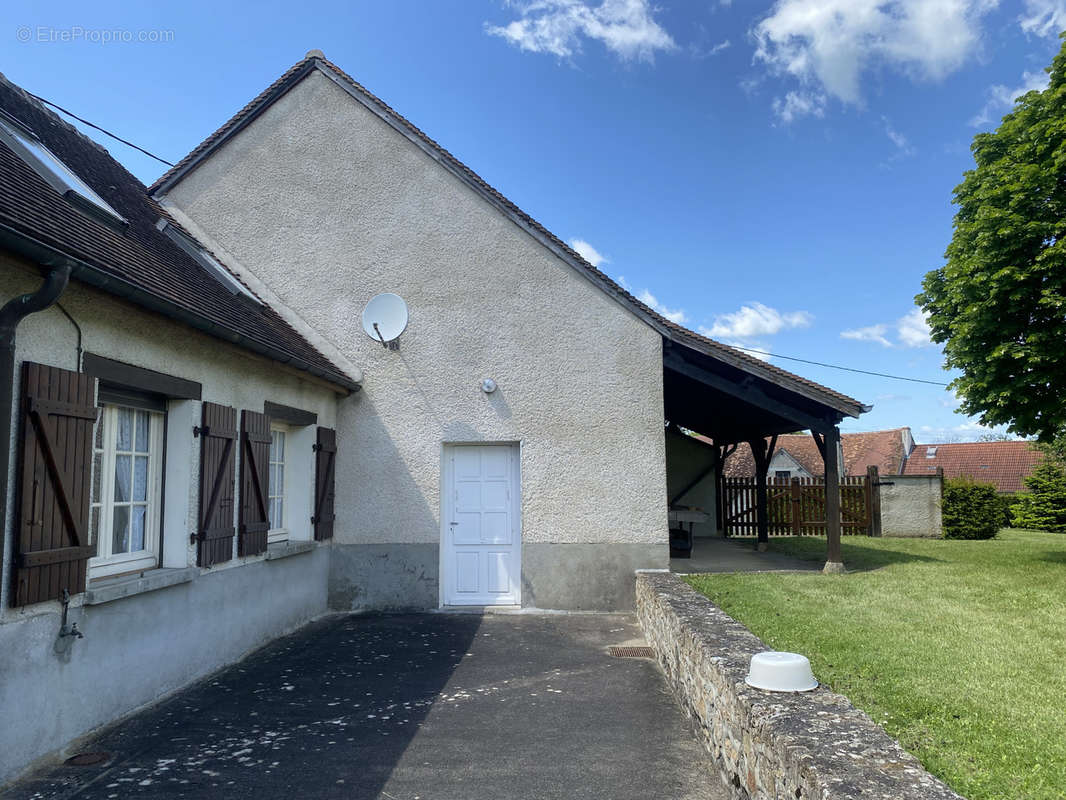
<point>958,648</point>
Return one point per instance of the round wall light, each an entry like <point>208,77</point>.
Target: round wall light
<point>488,386</point>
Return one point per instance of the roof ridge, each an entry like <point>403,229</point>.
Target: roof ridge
<point>314,58</point>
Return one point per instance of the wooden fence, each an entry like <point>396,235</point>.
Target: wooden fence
<point>796,506</point>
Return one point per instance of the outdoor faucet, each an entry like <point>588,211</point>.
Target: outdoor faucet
<point>64,630</point>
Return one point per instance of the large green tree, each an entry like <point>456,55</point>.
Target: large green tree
<point>999,303</point>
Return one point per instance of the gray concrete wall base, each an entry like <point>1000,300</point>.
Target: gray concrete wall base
<point>586,577</point>
<point>384,577</point>
<point>137,649</point>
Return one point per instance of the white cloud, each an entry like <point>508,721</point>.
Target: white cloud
<point>674,315</point>
<point>700,52</point>
<point>1044,17</point>
<point>799,104</point>
<point>913,329</point>
<point>901,142</point>
<point>589,253</point>
<point>871,333</point>
<point>828,46</point>
<point>756,320</point>
<point>1001,98</point>
<point>625,27</point>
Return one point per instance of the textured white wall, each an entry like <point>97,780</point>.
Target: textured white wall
<point>329,206</point>
<point>117,330</point>
<point>162,632</point>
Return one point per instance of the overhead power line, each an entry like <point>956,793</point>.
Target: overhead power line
<point>102,130</point>
<point>837,366</point>
<point>738,347</point>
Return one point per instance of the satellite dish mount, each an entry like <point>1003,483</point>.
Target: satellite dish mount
<point>385,319</point>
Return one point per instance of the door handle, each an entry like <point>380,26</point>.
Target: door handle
<point>453,524</point>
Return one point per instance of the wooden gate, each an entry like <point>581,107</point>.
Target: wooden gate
<point>796,506</point>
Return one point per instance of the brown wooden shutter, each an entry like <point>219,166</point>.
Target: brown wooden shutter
<point>325,458</point>
<point>52,545</point>
<point>218,434</point>
<point>254,521</point>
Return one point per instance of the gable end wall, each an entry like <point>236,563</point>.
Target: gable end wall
<point>329,205</point>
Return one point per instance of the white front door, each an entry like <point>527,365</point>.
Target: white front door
<point>480,538</point>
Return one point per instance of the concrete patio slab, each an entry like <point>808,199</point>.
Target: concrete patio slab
<point>730,555</point>
<point>407,707</point>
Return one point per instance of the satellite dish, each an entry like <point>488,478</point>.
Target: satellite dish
<point>385,318</point>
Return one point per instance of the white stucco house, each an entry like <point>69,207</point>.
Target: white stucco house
<point>196,417</point>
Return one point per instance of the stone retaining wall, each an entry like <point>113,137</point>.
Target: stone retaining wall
<point>814,745</point>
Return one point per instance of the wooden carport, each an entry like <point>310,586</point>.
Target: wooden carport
<point>731,398</point>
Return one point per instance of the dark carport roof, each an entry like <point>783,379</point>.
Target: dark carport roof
<point>811,395</point>
<point>140,262</point>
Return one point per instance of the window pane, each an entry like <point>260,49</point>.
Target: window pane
<point>99,440</point>
<point>120,531</point>
<point>280,514</point>
<point>280,481</point>
<point>137,529</point>
<point>142,431</point>
<point>122,479</point>
<point>98,476</point>
<point>281,445</point>
<point>125,429</point>
<point>94,527</point>
<point>140,477</point>
<point>274,513</point>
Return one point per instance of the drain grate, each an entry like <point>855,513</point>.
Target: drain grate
<point>631,652</point>
<point>87,759</point>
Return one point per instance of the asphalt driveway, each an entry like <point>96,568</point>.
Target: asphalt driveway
<point>411,707</point>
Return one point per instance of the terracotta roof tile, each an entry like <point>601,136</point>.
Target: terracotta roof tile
<point>141,255</point>
<point>1004,464</point>
<point>314,58</point>
<point>883,449</point>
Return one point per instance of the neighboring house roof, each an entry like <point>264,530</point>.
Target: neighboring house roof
<point>139,263</point>
<point>315,60</point>
<point>883,449</point>
<point>1003,464</point>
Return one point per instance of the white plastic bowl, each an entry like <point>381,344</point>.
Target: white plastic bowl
<point>781,672</point>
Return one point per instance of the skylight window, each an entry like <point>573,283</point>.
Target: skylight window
<point>207,261</point>
<point>61,177</point>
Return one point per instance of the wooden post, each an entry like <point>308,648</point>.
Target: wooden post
<point>873,504</point>
<point>796,493</point>
<point>762,451</point>
<point>834,561</point>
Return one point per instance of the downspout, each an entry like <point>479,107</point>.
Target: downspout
<point>13,312</point>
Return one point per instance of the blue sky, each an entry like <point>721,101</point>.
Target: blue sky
<point>775,174</point>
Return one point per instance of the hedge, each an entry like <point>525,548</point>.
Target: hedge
<point>971,510</point>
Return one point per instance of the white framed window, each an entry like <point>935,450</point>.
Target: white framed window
<point>277,504</point>
<point>127,478</point>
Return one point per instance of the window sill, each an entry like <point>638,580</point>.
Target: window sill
<point>118,588</point>
<point>286,549</point>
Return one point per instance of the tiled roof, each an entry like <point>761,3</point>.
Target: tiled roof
<point>1004,464</point>
<point>315,59</point>
<point>883,449</point>
<point>140,262</point>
